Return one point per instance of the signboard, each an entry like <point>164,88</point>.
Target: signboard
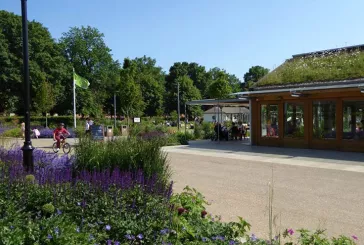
<point>97,132</point>
<point>136,119</point>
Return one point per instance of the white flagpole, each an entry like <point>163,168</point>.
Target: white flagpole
<point>74,99</point>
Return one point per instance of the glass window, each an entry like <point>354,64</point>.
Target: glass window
<point>269,121</point>
<point>324,119</point>
<point>353,120</point>
<point>293,120</point>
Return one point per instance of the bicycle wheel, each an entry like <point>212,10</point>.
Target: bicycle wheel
<point>66,148</point>
<point>54,147</point>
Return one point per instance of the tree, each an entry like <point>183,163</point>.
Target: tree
<point>188,92</point>
<point>45,100</point>
<point>235,83</point>
<point>220,89</point>
<point>254,74</point>
<point>194,71</point>
<point>130,96</point>
<point>85,48</point>
<point>151,80</point>
<point>217,74</point>
<point>46,62</point>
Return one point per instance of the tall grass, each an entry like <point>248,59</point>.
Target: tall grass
<point>127,155</point>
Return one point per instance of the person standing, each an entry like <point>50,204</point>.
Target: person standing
<point>22,125</point>
<point>87,126</point>
<point>90,122</point>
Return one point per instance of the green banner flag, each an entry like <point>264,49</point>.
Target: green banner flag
<point>80,81</point>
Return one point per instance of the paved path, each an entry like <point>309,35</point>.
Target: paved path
<point>312,189</point>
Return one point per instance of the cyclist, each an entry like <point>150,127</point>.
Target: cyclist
<point>59,134</point>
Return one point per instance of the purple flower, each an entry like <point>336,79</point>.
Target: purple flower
<point>56,230</point>
<point>354,237</point>
<point>290,232</point>
<point>129,237</point>
<point>231,242</point>
<point>46,133</point>
<point>140,236</point>
<point>204,239</point>
<point>164,231</point>
<point>108,227</point>
<point>253,238</point>
<point>109,242</point>
<point>116,243</point>
<point>59,212</point>
<point>49,236</point>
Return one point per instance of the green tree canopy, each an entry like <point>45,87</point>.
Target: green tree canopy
<point>46,61</point>
<point>220,88</point>
<point>130,96</point>
<point>151,81</point>
<point>44,99</point>
<point>86,50</point>
<point>255,73</point>
<point>188,92</point>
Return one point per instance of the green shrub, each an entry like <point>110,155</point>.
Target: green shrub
<point>208,130</point>
<point>198,132</point>
<point>15,132</point>
<point>128,155</point>
<point>183,138</point>
<point>48,208</point>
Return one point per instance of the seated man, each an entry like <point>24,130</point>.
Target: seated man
<point>234,132</point>
<point>59,134</point>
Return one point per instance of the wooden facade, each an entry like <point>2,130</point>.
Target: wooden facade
<point>329,119</point>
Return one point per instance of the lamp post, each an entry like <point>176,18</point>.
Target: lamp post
<point>179,116</point>
<point>114,110</point>
<point>27,147</point>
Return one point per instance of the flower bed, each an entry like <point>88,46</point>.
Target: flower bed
<point>58,204</point>
<point>55,205</point>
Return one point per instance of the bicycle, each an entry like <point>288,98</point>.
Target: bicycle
<point>66,147</point>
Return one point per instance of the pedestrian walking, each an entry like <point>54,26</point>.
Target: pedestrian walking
<point>87,126</point>
<point>22,125</point>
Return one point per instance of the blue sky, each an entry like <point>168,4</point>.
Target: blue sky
<point>230,34</point>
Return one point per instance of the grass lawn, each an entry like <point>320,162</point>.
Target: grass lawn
<point>332,66</point>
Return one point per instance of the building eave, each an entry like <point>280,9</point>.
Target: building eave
<point>357,83</point>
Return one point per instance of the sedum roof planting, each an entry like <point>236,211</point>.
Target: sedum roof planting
<point>318,67</point>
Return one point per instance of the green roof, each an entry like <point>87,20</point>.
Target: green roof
<point>322,66</point>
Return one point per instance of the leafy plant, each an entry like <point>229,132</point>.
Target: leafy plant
<point>15,132</point>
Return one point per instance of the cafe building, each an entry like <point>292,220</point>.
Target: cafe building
<point>313,100</point>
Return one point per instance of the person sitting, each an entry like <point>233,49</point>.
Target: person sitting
<point>234,132</point>
<point>224,133</point>
<point>59,134</point>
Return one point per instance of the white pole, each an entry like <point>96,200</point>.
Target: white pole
<point>178,109</point>
<point>74,99</point>
<point>250,121</point>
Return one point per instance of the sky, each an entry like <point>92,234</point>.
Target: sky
<point>230,34</point>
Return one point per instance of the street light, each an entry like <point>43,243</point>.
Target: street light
<point>114,110</point>
<point>27,147</point>
<point>179,116</point>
